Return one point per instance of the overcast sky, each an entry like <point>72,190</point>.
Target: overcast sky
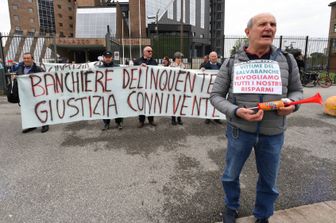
<point>294,17</point>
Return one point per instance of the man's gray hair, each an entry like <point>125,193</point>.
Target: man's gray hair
<point>250,23</point>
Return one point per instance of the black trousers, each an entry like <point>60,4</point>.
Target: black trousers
<point>142,118</point>
<point>178,119</point>
<point>117,121</point>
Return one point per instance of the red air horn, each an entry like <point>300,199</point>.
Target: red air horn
<point>274,105</point>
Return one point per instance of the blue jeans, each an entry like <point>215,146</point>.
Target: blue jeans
<point>267,152</point>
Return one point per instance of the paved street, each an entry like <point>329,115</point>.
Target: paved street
<point>78,173</point>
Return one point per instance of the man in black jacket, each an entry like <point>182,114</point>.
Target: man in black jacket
<point>108,62</point>
<point>212,64</point>
<point>28,67</point>
<point>145,60</point>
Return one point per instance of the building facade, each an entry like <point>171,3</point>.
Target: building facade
<point>332,38</point>
<point>203,22</point>
<point>130,23</point>
<point>217,25</point>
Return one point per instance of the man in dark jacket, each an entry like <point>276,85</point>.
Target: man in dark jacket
<point>108,62</point>
<point>212,64</point>
<point>145,60</point>
<point>28,67</point>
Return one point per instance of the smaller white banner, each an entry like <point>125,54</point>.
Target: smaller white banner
<point>257,77</point>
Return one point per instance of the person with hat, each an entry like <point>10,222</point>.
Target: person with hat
<point>177,62</point>
<point>145,60</point>
<point>108,62</point>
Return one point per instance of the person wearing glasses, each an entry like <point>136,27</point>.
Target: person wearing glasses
<point>145,60</point>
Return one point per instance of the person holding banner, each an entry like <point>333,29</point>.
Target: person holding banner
<point>166,61</point>
<point>145,60</point>
<point>212,64</point>
<point>205,61</point>
<point>177,62</point>
<point>28,66</point>
<point>108,62</point>
<point>258,72</point>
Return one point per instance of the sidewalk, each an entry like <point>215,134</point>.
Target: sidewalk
<point>324,212</point>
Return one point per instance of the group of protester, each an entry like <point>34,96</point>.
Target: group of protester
<point>147,59</point>
<point>247,129</point>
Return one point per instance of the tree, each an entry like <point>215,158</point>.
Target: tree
<point>238,44</point>
<point>317,60</point>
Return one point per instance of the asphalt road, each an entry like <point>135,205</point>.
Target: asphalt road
<point>77,173</point>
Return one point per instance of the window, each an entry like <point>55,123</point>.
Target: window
<point>70,17</point>
<point>71,34</point>
<point>202,16</point>
<point>30,1</point>
<point>62,34</point>
<point>70,8</point>
<point>60,15</point>
<point>16,18</point>
<point>334,28</point>
<point>17,28</point>
<point>333,45</point>
<point>30,10</point>
<point>71,26</point>
<point>59,6</point>
<point>60,24</point>
<point>15,7</point>
<point>69,1</point>
<point>32,30</point>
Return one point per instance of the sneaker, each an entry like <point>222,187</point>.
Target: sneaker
<point>180,122</point>
<point>120,126</point>
<point>264,220</point>
<point>207,121</point>
<point>45,128</point>
<point>141,125</point>
<point>152,123</point>
<point>230,215</point>
<point>28,130</point>
<point>106,127</point>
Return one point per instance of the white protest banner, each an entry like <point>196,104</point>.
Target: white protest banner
<point>55,67</point>
<point>74,95</point>
<point>257,77</point>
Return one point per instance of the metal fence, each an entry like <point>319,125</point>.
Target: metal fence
<point>315,50</point>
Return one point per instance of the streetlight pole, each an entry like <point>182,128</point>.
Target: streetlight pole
<point>139,29</point>
<point>129,36</point>
<point>181,28</point>
<point>156,17</point>
<point>122,38</point>
<point>157,23</point>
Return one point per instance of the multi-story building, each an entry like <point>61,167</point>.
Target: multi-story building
<point>203,23</point>
<point>42,16</point>
<point>217,25</point>
<point>79,27</point>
